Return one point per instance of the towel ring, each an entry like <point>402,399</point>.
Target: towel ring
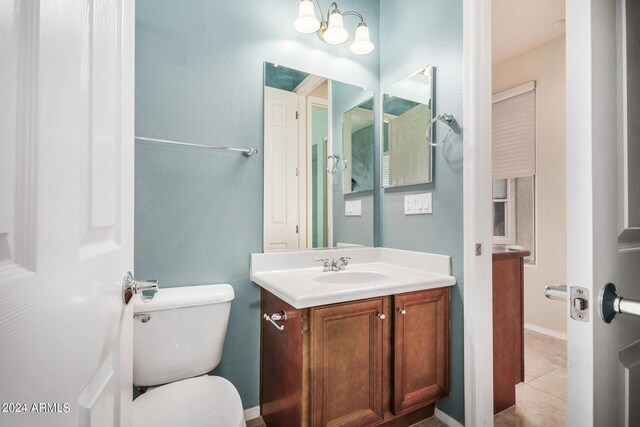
<point>445,118</point>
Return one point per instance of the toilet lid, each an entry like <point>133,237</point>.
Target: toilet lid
<point>205,401</point>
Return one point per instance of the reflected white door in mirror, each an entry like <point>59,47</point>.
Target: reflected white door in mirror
<point>318,142</point>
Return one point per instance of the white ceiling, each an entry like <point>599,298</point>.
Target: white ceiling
<point>521,25</point>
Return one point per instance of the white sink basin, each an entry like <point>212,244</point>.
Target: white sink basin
<point>297,278</point>
<point>352,277</point>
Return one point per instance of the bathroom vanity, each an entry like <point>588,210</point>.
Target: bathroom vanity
<point>367,345</point>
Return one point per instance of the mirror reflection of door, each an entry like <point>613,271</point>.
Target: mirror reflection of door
<point>408,110</point>
<point>306,162</point>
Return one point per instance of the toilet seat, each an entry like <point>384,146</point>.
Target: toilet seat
<point>205,401</point>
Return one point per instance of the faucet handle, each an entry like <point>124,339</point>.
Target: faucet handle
<point>345,261</point>
<point>326,265</point>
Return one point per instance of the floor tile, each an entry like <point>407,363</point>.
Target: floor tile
<point>553,383</point>
<point>533,409</point>
<point>543,354</point>
<point>541,400</point>
<point>429,422</point>
<point>256,422</point>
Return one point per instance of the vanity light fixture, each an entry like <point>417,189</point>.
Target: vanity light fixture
<point>331,29</point>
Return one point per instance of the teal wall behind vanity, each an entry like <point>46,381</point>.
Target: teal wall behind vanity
<point>199,77</point>
<point>417,33</point>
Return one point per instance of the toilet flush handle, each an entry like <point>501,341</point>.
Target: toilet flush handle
<point>131,286</point>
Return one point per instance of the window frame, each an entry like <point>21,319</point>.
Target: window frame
<point>510,214</point>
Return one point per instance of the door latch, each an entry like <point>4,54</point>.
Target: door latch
<point>579,303</point>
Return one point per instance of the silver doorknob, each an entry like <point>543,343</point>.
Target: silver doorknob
<point>402,311</point>
<point>131,287</point>
<point>381,316</point>
<point>611,304</point>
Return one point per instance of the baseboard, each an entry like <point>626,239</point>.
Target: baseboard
<point>449,421</point>
<point>251,413</point>
<point>545,331</point>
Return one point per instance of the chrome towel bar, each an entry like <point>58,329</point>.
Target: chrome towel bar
<point>247,152</point>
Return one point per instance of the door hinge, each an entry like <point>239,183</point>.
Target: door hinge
<point>297,229</point>
<point>478,249</point>
<point>297,115</point>
<point>297,172</point>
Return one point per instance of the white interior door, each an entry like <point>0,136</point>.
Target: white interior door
<point>603,149</point>
<point>281,174</point>
<point>66,211</point>
<point>408,150</point>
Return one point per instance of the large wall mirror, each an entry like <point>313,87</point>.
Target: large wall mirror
<point>407,112</point>
<point>318,153</point>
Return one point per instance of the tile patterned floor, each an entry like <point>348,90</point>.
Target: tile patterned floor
<point>541,401</point>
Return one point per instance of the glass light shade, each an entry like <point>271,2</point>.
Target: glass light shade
<point>335,32</point>
<point>362,44</point>
<point>306,22</point>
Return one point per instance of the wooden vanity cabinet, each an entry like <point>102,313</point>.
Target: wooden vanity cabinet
<point>508,326</point>
<point>359,363</point>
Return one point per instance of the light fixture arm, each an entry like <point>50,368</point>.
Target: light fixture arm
<point>353,13</point>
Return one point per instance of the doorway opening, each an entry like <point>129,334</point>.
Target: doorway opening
<point>529,212</point>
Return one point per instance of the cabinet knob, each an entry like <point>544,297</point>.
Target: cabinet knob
<point>402,311</point>
<point>382,316</point>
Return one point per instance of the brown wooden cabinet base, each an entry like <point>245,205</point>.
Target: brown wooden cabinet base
<point>335,365</point>
<point>508,327</point>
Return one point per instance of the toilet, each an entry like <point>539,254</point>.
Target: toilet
<point>177,338</point>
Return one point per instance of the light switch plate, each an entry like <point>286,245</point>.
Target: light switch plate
<point>418,204</point>
<point>353,208</point>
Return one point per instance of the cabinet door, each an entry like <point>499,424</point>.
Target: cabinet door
<point>346,364</point>
<point>421,348</point>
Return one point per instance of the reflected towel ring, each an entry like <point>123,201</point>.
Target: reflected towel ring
<point>335,160</point>
<point>445,118</point>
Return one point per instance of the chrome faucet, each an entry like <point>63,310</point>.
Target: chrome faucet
<point>340,263</point>
<point>334,264</point>
<point>326,264</point>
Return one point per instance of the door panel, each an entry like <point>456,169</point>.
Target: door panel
<point>421,348</point>
<point>346,365</point>
<point>280,169</point>
<point>407,148</point>
<point>598,250</point>
<point>66,211</point>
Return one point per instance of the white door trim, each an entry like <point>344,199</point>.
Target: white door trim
<point>306,201</point>
<point>478,321</point>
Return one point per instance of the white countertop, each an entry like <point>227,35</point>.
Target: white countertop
<point>293,276</point>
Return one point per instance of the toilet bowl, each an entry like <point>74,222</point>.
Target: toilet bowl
<point>177,337</point>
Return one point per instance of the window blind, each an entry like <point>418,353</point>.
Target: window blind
<point>514,134</point>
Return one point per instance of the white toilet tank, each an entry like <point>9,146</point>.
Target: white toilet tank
<point>180,333</point>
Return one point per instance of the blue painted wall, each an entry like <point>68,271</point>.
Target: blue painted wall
<point>199,77</point>
<point>417,33</point>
